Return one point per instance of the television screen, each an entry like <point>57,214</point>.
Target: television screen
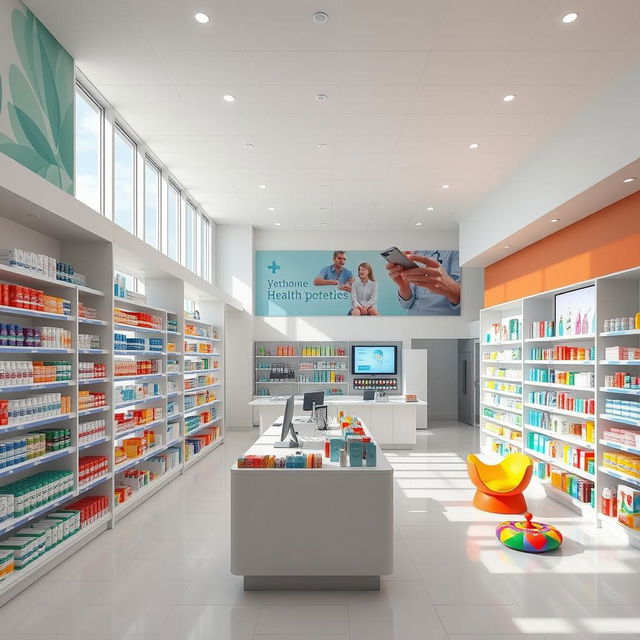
<point>371,360</point>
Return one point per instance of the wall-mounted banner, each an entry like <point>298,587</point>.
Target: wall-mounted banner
<point>356,283</point>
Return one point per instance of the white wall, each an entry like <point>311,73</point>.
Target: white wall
<point>235,262</point>
<point>14,235</point>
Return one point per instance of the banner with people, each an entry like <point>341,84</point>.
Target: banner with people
<point>424,282</point>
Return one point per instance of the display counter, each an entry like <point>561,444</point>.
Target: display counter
<point>392,424</point>
<point>328,528</point>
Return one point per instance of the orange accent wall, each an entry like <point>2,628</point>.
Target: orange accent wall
<point>604,242</point>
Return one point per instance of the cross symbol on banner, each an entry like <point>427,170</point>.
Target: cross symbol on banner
<point>274,267</point>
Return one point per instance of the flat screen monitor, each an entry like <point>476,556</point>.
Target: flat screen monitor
<point>313,398</point>
<point>287,428</point>
<point>374,360</point>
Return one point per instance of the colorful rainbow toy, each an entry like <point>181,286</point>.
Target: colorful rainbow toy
<point>531,537</point>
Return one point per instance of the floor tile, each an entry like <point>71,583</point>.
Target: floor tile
<point>297,619</point>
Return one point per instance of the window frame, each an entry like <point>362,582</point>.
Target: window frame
<point>117,129</point>
<point>171,185</point>
<point>92,101</point>
<point>158,245</point>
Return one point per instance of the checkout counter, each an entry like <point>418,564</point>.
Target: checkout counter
<point>392,423</point>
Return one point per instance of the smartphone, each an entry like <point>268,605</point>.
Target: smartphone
<point>395,256</point>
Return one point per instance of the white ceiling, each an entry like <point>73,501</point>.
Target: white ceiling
<point>410,84</point>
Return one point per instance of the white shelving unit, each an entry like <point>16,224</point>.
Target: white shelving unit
<point>96,260</point>
<point>617,295</point>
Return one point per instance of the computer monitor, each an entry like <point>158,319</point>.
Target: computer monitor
<point>287,428</point>
<point>311,401</point>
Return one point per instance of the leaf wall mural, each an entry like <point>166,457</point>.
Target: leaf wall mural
<point>39,108</point>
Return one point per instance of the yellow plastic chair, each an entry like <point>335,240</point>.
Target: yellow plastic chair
<point>499,486</point>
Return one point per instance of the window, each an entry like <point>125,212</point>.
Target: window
<point>88,150</point>
<point>124,183</point>
<point>190,238</point>
<point>131,282</point>
<point>173,223</point>
<point>151,203</point>
<point>204,248</point>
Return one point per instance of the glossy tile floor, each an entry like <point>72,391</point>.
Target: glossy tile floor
<point>163,573</point>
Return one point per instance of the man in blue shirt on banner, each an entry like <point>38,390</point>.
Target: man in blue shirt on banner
<point>335,274</point>
<point>431,289</point>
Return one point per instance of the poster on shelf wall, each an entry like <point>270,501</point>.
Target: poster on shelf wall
<point>575,312</point>
<point>356,284</point>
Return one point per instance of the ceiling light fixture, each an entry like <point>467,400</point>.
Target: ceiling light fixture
<point>507,246</point>
<point>229,98</point>
<point>202,18</point>
<point>474,145</point>
<point>248,146</point>
<point>323,224</point>
<point>430,208</point>
<point>277,224</point>
<point>510,98</point>
<point>555,219</point>
<point>322,146</point>
<point>570,17</point>
<point>323,209</point>
<point>418,224</point>
<point>323,186</point>
<point>628,180</point>
<point>321,97</point>
<point>446,186</point>
<point>272,208</point>
<point>320,17</point>
<point>262,186</point>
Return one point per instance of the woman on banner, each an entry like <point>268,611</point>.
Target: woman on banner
<point>364,292</point>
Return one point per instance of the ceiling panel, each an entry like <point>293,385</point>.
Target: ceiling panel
<point>356,99</point>
<point>381,67</point>
<point>170,25</point>
<point>317,68</point>
<point>466,67</point>
<point>155,99</point>
<point>380,24</point>
<point>208,99</point>
<point>207,67</point>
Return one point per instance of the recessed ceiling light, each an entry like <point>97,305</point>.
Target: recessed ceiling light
<point>321,97</point>
<point>228,98</point>
<point>418,224</point>
<point>429,208</point>
<point>323,186</point>
<point>322,146</point>
<point>628,180</point>
<point>474,145</point>
<point>570,17</point>
<point>35,216</point>
<point>277,224</point>
<point>323,224</point>
<point>320,17</point>
<point>510,98</point>
<point>555,219</point>
<point>262,186</point>
<point>446,186</point>
<point>323,209</point>
<point>272,208</point>
<point>248,146</point>
<point>202,18</point>
<point>507,246</point>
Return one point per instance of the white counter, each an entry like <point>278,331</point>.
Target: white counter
<point>392,424</point>
<point>329,528</point>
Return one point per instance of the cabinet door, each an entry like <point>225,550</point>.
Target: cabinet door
<point>364,413</point>
<point>404,425</point>
<point>382,423</point>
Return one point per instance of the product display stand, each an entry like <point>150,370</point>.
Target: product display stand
<point>580,434</point>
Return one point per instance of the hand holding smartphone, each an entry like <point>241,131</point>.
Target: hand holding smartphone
<point>395,256</point>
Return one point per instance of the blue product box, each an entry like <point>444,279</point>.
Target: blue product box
<point>356,453</point>
<point>371,453</point>
<point>336,444</point>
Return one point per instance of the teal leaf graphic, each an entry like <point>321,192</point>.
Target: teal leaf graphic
<point>66,141</point>
<point>26,156</point>
<point>23,96</point>
<point>22,27</point>
<point>18,133</point>
<point>51,96</point>
<point>34,136</point>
